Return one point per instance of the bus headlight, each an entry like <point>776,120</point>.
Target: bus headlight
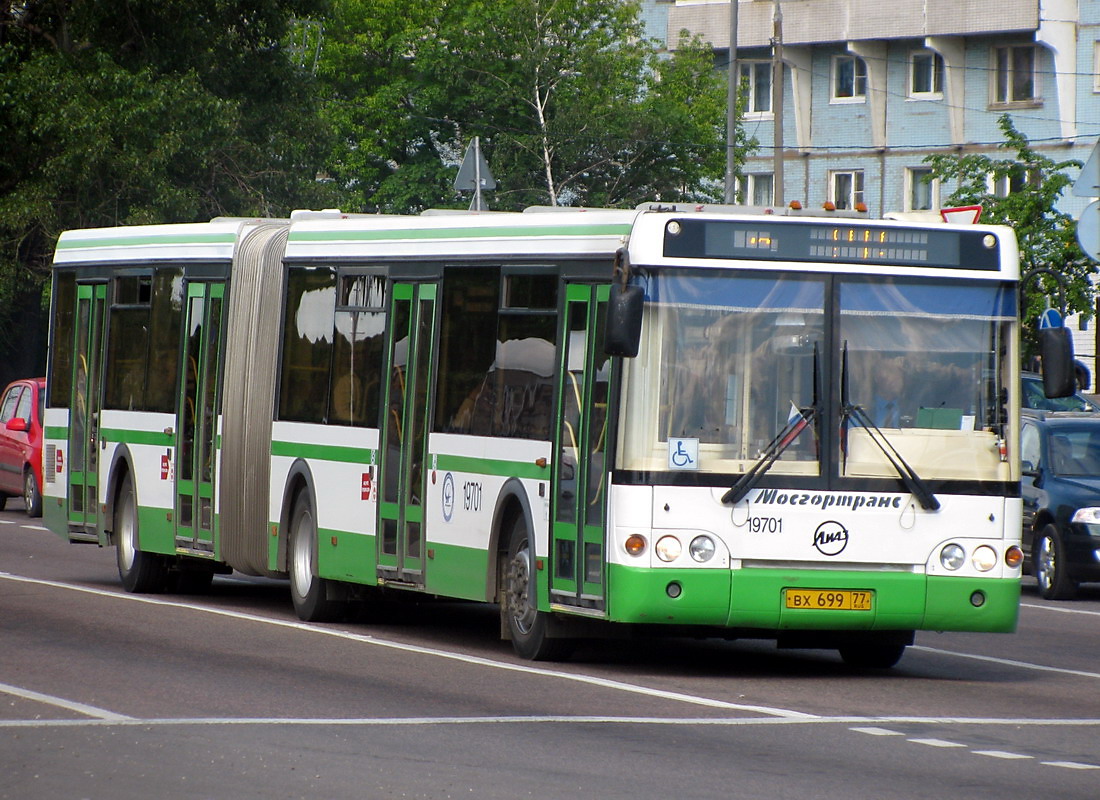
<point>984,558</point>
<point>701,548</point>
<point>668,548</point>
<point>952,557</point>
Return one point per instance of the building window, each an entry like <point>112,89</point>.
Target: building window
<point>761,189</point>
<point>756,84</point>
<point>1096,66</point>
<point>923,190</point>
<point>1018,180</point>
<point>925,74</point>
<point>849,79</point>
<point>846,188</point>
<point>1014,74</point>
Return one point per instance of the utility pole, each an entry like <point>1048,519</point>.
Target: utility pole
<point>731,108</point>
<point>777,105</point>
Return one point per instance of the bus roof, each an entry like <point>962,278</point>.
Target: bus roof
<point>595,232</point>
<point>205,241</point>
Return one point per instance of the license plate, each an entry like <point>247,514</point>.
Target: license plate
<point>828,599</point>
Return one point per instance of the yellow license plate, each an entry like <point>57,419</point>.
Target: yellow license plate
<point>828,599</point>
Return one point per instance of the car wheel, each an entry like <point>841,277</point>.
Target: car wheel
<point>3,501</point>
<point>1049,557</point>
<point>32,497</point>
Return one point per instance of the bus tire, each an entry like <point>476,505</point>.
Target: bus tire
<point>869,655</point>
<point>1049,555</point>
<point>308,591</point>
<point>139,572</point>
<point>32,497</point>
<point>527,626</point>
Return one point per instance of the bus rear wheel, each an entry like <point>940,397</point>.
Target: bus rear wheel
<point>527,626</point>
<point>872,655</point>
<point>308,591</point>
<point>140,572</point>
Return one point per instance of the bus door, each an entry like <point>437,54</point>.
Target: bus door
<point>410,359</point>
<point>197,417</point>
<point>580,472</point>
<point>91,308</point>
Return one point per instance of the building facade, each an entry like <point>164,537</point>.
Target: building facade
<point>870,89</point>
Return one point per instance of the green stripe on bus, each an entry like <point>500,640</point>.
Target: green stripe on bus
<point>486,466</point>
<point>135,437</point>
<point>56,432</point>
<point>323,452</point>
<point>149,239</point>
<point>390,234</point>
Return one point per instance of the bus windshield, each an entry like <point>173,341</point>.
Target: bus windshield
<point>729,360</point>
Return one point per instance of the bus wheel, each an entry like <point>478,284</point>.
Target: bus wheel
<point>526,624</point>
<point>32,497</point>
<point>872,656</point>
<point>1048,553</point>
<point>140,572</point>
<point>309,592</point>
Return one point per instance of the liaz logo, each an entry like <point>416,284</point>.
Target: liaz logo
<point>830,538</point>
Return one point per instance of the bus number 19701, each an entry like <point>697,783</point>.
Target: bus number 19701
<point>765,524</point>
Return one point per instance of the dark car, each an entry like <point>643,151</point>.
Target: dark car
<point>1060,452</point>
<point>1033,396</point>
<point>21,411</point>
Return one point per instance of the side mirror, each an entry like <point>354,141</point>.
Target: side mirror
<point>1027,468</point>
<point>17,424</point>
<point>1056,347</point>
<point>624,321</point>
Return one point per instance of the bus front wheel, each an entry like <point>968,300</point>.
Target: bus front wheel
<point>527,626</point>
<point>140,572</point>
<point>308,591</point>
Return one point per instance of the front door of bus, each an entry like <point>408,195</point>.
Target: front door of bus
<point>91,306</point>
<point>580,471</point>
<point>197,417</point>
<point>411,332</point>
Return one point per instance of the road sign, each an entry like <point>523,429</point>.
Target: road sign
<point>1088,230</point>
<point>1051,318</point>
<point>474,173</point>
<point>962,215</point>
<point>1088,182</point>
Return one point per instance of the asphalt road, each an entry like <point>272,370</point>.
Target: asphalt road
<point>227,695</point>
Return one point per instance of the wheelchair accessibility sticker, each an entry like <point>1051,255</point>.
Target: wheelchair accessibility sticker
<point>683,454</point>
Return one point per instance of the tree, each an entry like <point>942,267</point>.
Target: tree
<point>572,104</point>
<point>1047,237</point>
<point>131,111</point>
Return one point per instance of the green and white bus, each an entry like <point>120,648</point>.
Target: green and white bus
<point>691,420</point>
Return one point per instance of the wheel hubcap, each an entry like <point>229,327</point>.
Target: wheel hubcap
<point>1046,562</point>
<point>519,582</point>
<point>301,573</point>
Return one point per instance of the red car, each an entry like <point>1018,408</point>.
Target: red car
<point>21,411</point>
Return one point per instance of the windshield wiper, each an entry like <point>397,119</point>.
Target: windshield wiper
<point>784,439</point>
<point>850,411</point>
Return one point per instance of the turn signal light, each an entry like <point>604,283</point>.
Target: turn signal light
<point>635,544</point>
<point>1014,556</point>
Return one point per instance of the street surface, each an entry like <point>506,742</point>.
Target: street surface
<point>104,694</point>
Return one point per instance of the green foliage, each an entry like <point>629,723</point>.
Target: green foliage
<point>1047,236</point>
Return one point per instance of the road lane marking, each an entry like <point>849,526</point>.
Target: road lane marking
<point>999,754</point>
<point>936,742</point>
<point>1007,662</point>
<point>1061,609</point>
<point>877,731</point>
<point>592,680</point>
<point>1069,765</point>
<point>60,702</point>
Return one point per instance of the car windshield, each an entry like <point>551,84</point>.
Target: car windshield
<point>1075,452</point>
<point>1035,397</point>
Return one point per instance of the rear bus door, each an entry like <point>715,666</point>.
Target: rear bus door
<point>91,306</point>
<point>580,470</point>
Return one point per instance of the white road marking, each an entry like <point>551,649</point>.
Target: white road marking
<point>410,648</point>
<point>1061,609</point>
<point>60,702</point>
<point>877,731</point>
<point>1008,662</point>
<point>1069,765</point>
<point>999,754</point>
<point>936,742</point>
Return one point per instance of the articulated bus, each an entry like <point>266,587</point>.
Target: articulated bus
<point>690,420</point>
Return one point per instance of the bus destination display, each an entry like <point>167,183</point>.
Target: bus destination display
<point>841,242</point>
